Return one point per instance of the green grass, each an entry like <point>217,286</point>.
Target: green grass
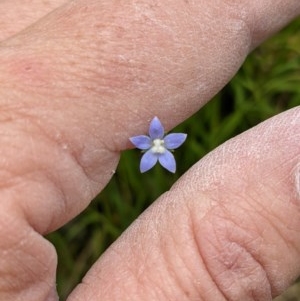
<point>267,84</point>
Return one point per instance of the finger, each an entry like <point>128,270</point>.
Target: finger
<point>228,230</point>
<point>18,14</point>
<point>109,76</point>
<point>149,59</point>
<point>75,87</point>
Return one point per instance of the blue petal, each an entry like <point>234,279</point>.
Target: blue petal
<point>141,142</point>
<point>167,160</point>
<point>148,160</point>
<point>156,130</point>
<point>174,140</point>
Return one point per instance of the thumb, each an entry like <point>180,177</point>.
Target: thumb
<point>228,230</point>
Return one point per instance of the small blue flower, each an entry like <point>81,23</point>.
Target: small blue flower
<point>158,147</point>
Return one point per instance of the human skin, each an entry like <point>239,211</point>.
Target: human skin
<point>76,84</point>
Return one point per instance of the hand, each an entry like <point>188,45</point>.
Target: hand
<point>77,84</point>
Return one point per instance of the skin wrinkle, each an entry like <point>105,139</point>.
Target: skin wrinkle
<point>256,241</point>
<point>223,247</point>
<point>200,253</point>
<point>191,267</point>
<point>280,239</point>
<point>41,172</point>
<point>34,179</point>
<point>172,269</point>
<point>42,116</point>
<point>163,285</point>
<point>223,257</point>
<point>120,290</point>
<point>30,258</point>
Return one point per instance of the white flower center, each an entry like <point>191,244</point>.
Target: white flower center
<point>158,146</point>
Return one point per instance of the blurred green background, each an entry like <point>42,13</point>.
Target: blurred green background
<point>267,84</point>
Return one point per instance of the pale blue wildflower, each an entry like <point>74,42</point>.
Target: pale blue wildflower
<point>158,146</point>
